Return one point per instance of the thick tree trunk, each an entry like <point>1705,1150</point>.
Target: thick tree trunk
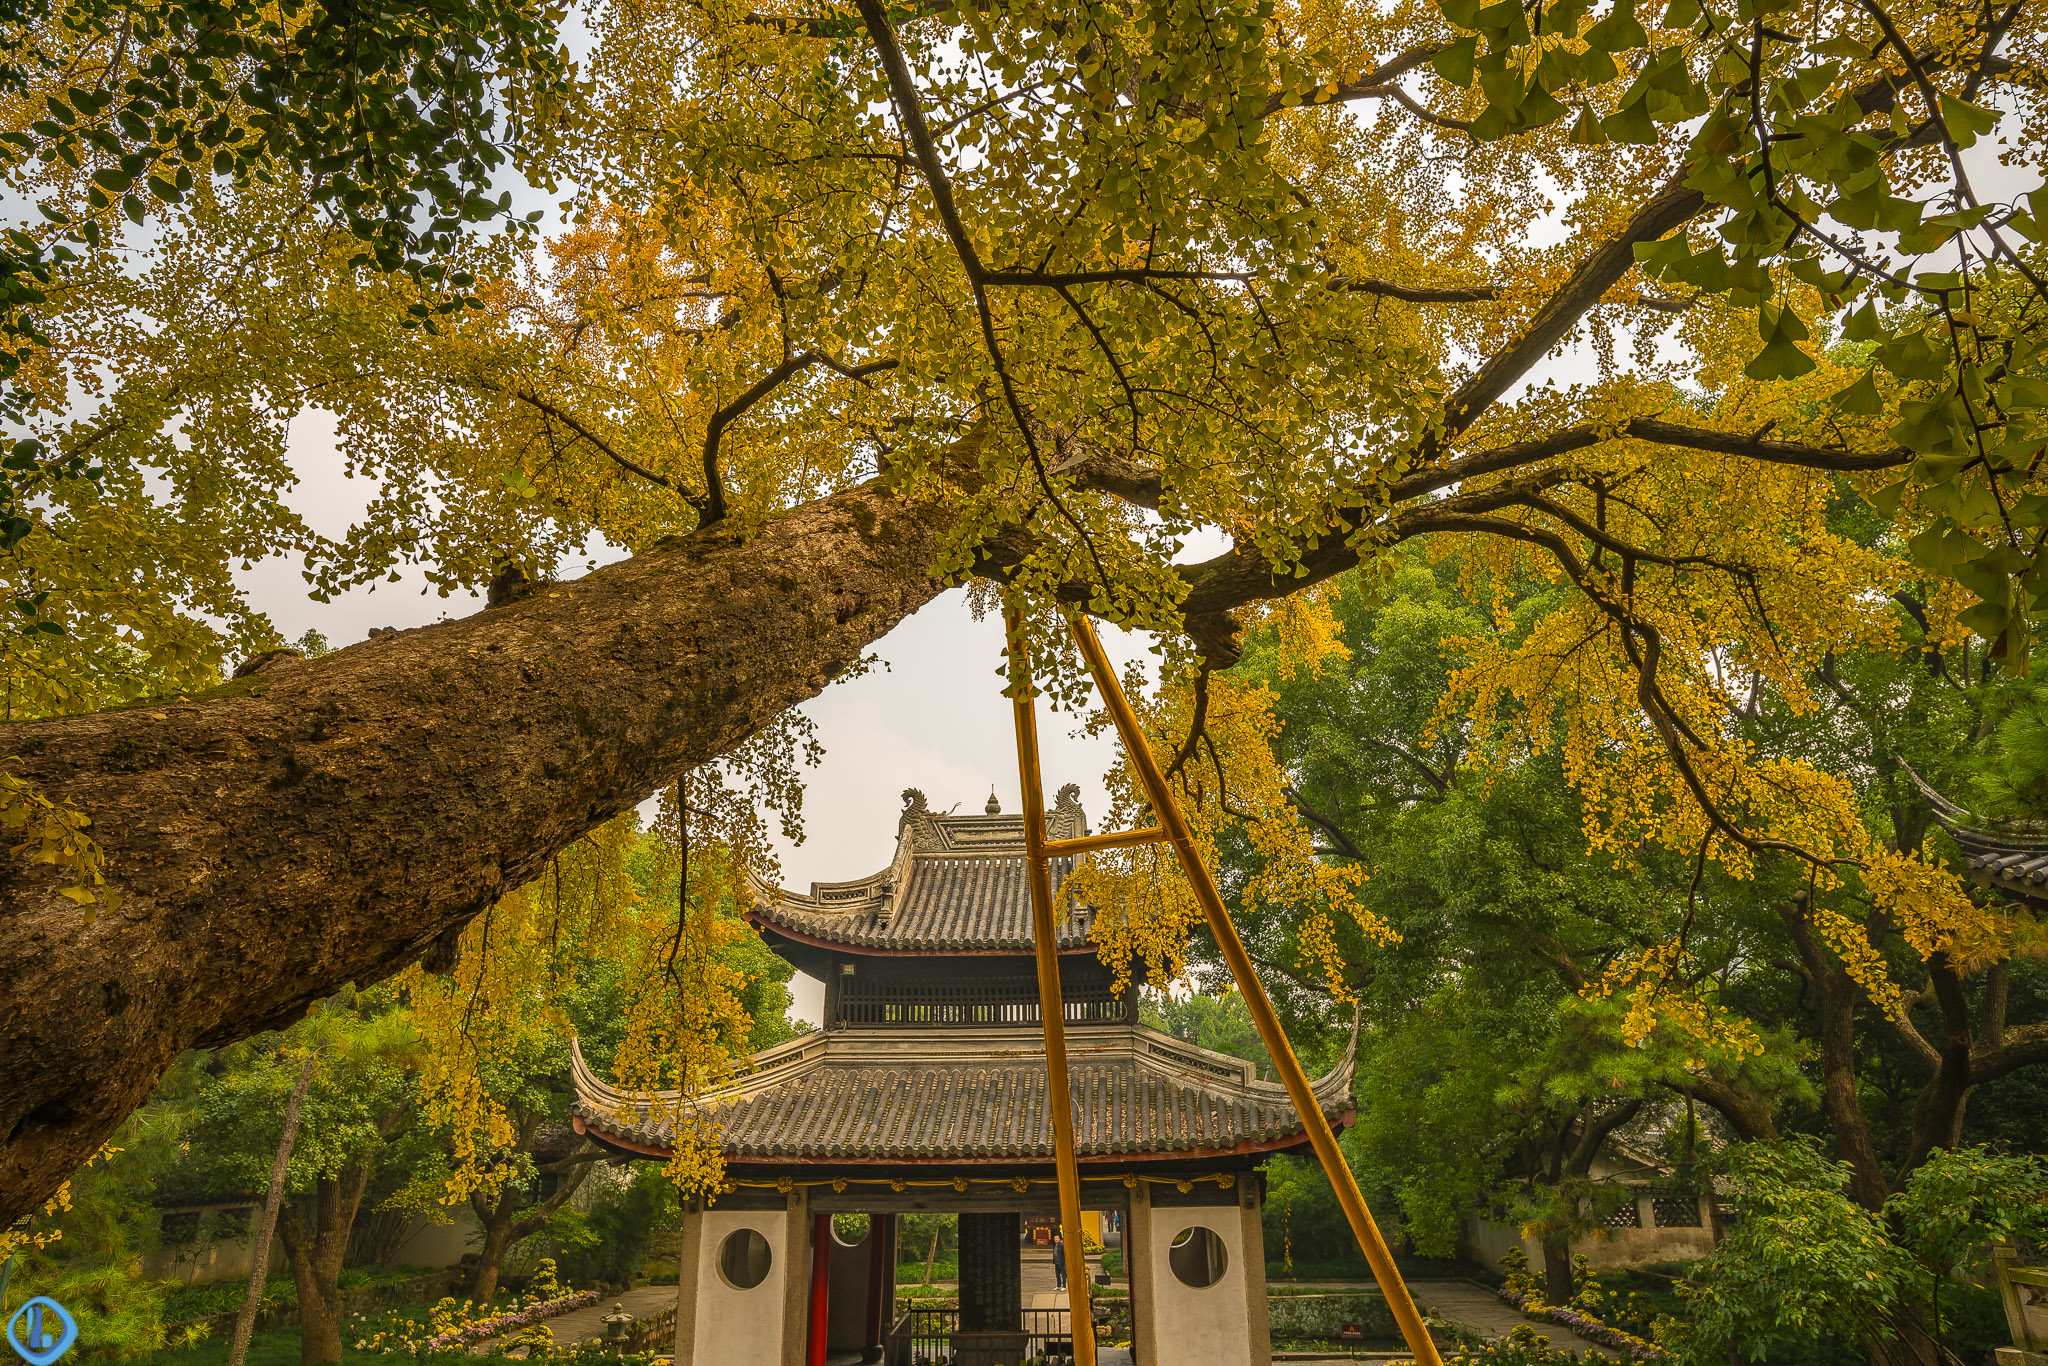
<point>1557,1269</point>
<point>508,1221</point>
<point>316,1257</point>
<point>1835,998</point>
<point>252,1298</point>
<point>325,821</point>
<point>490,1259</point>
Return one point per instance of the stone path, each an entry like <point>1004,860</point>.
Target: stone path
<point>1470,1306</point>
<point>1036,1277</point>
<point>588,1322</point>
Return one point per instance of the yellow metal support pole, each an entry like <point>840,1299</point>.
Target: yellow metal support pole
<point>1051,1005</point>
<point>1285,1063</point>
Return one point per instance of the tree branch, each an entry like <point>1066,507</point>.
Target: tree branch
<point>713,510</point>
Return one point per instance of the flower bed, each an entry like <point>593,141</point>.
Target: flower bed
<point>1520,1291</point>
<point>1584,1325</point>
<point>499,1324</point>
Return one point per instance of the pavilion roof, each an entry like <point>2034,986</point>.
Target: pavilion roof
<point>958,884</point>
<point>873,1096</point>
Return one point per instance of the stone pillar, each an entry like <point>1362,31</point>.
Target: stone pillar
<point>991,1272</point>
<point>1138,1271</point>
<point>796,1281</point>
<point>1251,1197</point>
<point>689,1265</point>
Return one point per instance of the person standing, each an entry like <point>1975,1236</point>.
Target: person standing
<point>1059,1260</point>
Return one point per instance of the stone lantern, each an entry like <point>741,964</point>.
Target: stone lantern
<point>617,1325</point>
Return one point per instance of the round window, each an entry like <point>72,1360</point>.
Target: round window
<point>850,1230</point>
<point>743,1259</point>
<point>1197,1257</point>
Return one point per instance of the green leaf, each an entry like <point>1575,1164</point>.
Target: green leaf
<point>1631,123</point>
<point>1860,399</point>
<point>1886,499</point>
<point>1966,122</point>
<point>1861,325</point>
<point>1454,63</point>
<point>1912,357</point>
<point>1618,32</point>
<point>1985,578</point>
<point>1940,548</point>
<point>1987,619</point>
<point>1781,358</point>
<point>2026,391</point>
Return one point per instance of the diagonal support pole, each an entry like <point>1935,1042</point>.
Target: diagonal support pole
<point>1320,1135</point>
<point>1051,1005</point>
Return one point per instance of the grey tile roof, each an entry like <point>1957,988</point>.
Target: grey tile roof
<point>957,884</point>
<point>852,1095</point>
<point>2011,862</point>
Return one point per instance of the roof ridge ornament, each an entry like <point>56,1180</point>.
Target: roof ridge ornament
<point>994,807</point>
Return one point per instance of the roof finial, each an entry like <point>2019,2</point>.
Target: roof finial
<point>994,806</point>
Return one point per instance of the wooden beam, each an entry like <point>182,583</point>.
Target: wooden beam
<point>1121,839</point>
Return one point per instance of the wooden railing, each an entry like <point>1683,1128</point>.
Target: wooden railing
<point>2024,1290</point>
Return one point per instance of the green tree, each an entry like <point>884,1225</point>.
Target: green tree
<point>356,1113</point>
<point>1806,1268</point>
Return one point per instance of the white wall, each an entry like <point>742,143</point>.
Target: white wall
<point>1207,1327</point>
<point>1612,1249</point>
<point>741,1327</point>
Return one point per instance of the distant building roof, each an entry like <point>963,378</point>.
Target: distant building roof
<point>2010,862</point>
<point>870,1097</point>
<point>958,884</point>
<point>2013,858</point>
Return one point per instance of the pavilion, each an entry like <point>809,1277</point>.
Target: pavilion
<point>925,1090</point>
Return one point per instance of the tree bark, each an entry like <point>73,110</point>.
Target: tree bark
<point>1835,1006</point>
<point>323,822</point>
<point>490,1258</point>
<point>259,1270</point>
<point>1557,1268</point>
<point>315,1258</point>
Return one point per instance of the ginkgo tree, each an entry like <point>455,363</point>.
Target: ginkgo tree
<point>861,301</point>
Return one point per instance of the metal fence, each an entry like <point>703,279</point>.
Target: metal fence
<point>924,1337</point>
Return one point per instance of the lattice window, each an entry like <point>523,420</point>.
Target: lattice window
<point>180,1227</point>
<point>1676,1211</point>
<point>967,1001</point>
<point>1625,1216</point>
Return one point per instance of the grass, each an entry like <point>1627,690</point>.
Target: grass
<point>282,1349</point>
<point>911,1271</point>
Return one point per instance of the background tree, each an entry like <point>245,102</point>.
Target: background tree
<point>360,1104</point>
